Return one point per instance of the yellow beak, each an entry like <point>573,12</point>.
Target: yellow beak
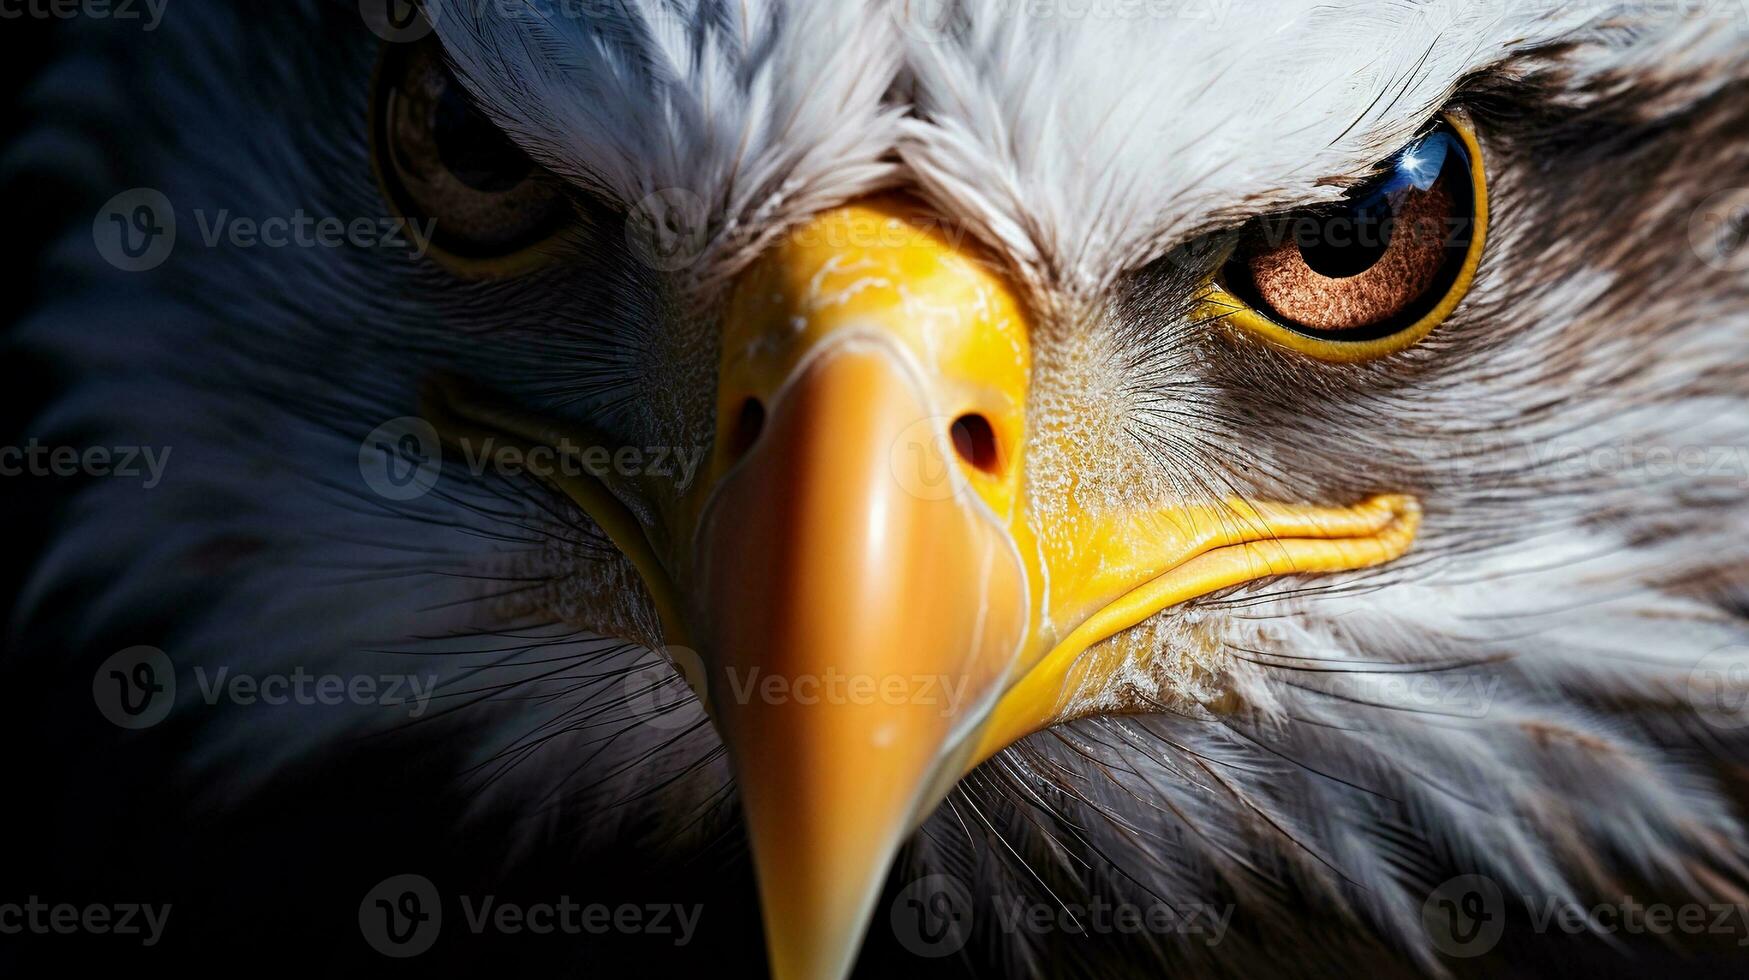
<point>853,631</point>
<point>876,605</point>
<point>863,599</point>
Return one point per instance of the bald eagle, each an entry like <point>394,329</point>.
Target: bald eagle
<point>962,487</point>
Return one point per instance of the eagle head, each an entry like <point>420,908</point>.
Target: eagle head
<point>1267,456</point>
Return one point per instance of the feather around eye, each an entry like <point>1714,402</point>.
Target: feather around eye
<point>439,161</point>
<point>1374,275</point>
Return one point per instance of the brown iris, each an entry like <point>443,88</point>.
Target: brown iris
<point>440,159</point>
<point>1373,265</point>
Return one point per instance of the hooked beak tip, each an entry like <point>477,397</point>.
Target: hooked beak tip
<point>857,632</point>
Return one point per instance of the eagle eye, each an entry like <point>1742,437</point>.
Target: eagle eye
<point>1374,274</point>
<point>443,165</point>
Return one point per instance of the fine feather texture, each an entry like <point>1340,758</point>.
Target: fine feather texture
<point>1262,750</point>
<point>700,98</point>
<point>1084,180</point>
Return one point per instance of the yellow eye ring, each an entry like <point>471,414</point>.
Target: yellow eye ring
<point>1221,303</point>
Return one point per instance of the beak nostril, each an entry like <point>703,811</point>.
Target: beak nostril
<point>975,441</point>
<point>747,428</point>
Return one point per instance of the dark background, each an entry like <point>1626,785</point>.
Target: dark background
<point>90,813</point>
<point>93,814</point>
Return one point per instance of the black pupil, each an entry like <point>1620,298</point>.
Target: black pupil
<point>1348,242</point>
<point>474,150</point>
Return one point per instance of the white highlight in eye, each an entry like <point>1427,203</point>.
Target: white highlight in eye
<point>1422,163</point>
